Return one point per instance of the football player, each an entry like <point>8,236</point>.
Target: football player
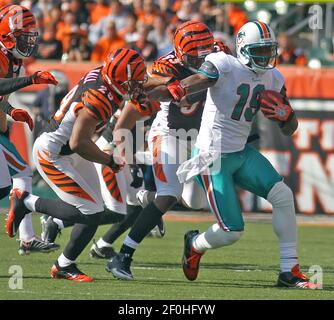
<point>18,39</point>
<point>118,191</point>
<point>238,88</point>
<point>168,138</point>
<point>65,156</point>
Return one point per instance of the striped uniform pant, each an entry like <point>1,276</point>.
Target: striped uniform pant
<point>11,163</point>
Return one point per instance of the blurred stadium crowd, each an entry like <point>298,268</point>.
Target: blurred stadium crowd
<point>76,30</point>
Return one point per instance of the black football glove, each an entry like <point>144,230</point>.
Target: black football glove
<point>137,176</point>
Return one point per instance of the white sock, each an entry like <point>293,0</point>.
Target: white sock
<point>284,224</point>
<point>215,237</point>
<point>23,183</point>
<point>102,244</point>
<point>63,261</point>
<point>59,222</point>
<point>130,243</point>
<point>200,244</point>
<point>26,229</point>
<point>288,258</point>
<point>30,202</point>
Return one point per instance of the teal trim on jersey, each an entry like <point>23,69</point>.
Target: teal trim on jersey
<point>12,172</point>
<point>248,169</point>
<point>207,65</point>
<point>4,141</point>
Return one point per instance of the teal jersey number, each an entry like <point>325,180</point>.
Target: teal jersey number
<point>243,91</point>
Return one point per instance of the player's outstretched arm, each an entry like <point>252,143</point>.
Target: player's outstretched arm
<point>10,85</point>
<point>81,140</point>
<point>17,114</point>
<point>175,90</point>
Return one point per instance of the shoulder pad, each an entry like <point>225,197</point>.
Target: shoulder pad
<point>221,46</point>
<point>97,104</point>
<point>164,68</point>
<point>221,61</point>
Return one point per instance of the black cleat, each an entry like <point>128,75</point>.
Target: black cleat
<point>36,246</point>
<point>191,257</point>
<point>101,253</point>
<point>70,272</point>
<point>17,211</point>
<point>119,266</point>
<point>50,230</point>
<point>159,230</point>
<point>295,279</point>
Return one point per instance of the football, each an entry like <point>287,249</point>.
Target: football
<point>274,106</point>
<point>268,98</point>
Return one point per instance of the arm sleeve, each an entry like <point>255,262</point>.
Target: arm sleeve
<point>97,104</point>
<point>6,107</point>
<point>8,86</point>
<point>209,70</point>
<point>218,63</point>
<point>195,97</point>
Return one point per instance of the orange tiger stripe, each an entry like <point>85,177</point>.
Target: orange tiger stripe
<point>4,10</point>
<point>158,169</point>
<point>4,65</point>
<point>110,180</point>
<point>138,70</point>
<point>61,180</point>
<point>119,59</point>
<point>110,183</point>
<point>159,172</point>
<point>109,177</point>
<point>164,68</point>
<point>99,105</point>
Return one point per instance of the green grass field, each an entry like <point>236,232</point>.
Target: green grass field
<point>246,270</point>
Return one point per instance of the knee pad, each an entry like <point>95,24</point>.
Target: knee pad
<point>163,203</point>
<point>280,195</point>
<point>217,237</point>
<point>4,192</point>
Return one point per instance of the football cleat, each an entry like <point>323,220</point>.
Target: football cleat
<point>119,266</point>
<point>36,246</point>
<point>50,230</point>
<point>70,272</point>
<point>295,279</point>
<point>17,211</point>
<point>191,257</point>
<point>143,197</point>
<point>101,253</point>
<point>159,230</point>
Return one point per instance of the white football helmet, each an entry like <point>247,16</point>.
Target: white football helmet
<point>256,46</point>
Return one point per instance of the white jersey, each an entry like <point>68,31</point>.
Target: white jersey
<point>231,104</point>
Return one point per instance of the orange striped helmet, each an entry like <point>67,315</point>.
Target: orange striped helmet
<point>18,30</point>
<point>192,42</point>
<point>124,71</point>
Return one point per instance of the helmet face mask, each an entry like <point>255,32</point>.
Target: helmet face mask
<point>262,56</point>
<point>18,30</point>
<point>256,46</point>
<point>124,72</point>
<point>192,62</point>
<point>26,43</point>
<point>134,88</point>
